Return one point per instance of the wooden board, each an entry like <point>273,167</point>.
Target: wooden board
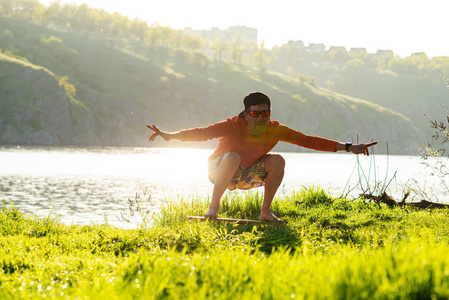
<point>238,221</point>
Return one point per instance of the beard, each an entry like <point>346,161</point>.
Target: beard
<point>258,128</point>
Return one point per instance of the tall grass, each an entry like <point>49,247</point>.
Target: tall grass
<point>330,249</point>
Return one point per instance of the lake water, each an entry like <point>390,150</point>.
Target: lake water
<point>94,185</point>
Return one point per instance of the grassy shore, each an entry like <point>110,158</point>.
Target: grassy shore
<point>330,249</point>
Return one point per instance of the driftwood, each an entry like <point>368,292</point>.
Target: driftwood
<point>386,199</point>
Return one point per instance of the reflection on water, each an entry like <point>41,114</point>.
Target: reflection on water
<point>92,185</point>
<point>85,185</point>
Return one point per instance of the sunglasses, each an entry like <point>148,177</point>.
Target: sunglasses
<point>255,114</point>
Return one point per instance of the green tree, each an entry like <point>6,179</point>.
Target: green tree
<point>383,58</point>
<point>85,18</point>
<point>193,42</point>
<point>413,64</point>
<point>7,39</point>
<point>66,14</point>
<point>139,29</point>
<point>6,7</point>
<point>52,13</point>
<point>219,47</point>
<point>200,59</point>
<point>260,57</point>
<point>330,67</point>
<point>440,64</point>
<point>236,50</point>
<point>338,55</point>
<point>175,39</point>
<point>355,64</point>
<point>120,25</point>
<point>290,72</point>
<point>249,48</point>
<point>353,73</point>
<point>28,9</point>
<point>311,80</point>
<point>105,22</point>
<point>159,35</point>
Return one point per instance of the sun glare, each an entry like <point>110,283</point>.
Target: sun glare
<point>416,27</point>
<point>180,163</point>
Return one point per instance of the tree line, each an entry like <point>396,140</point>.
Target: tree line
<point>189,46</point>
<point>329,66</point>
<point>99,21</point>
<point>287,58</point>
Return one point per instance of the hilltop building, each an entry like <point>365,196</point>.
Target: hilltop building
<point>321,49</point>
<point>334,48</point>
<point>248,34</point>
<point>296,45</point>
<point>316,48</point>
<point>385,53</point>
<point>357,50</point>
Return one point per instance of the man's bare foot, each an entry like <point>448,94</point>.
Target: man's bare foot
<point>269,217</point>
<point>212,213</point>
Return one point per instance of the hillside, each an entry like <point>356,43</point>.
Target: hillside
<point>92,89</point>
<point>34,108</point>
<point>414,86</point>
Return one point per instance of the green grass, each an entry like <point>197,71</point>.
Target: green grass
<point>330,249</point>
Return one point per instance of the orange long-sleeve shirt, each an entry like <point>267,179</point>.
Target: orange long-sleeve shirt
<point>234,137</point>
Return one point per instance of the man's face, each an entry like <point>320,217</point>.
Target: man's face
<point>256,125</point>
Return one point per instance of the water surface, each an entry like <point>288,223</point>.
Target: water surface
<point>94,185</point>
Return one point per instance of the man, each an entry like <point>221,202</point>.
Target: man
<point>242,160</point>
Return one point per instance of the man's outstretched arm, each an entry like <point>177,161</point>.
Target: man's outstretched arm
<point>165,135</point>
<point>356,148</point>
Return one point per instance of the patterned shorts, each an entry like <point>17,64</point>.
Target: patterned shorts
<point>244,178</point>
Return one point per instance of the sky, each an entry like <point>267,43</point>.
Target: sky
<point>404,26</point>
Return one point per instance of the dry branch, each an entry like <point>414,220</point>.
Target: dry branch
<point>386,199</point>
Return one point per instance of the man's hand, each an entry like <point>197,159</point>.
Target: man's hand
<point>164,135</point>
<point>361,148</point>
